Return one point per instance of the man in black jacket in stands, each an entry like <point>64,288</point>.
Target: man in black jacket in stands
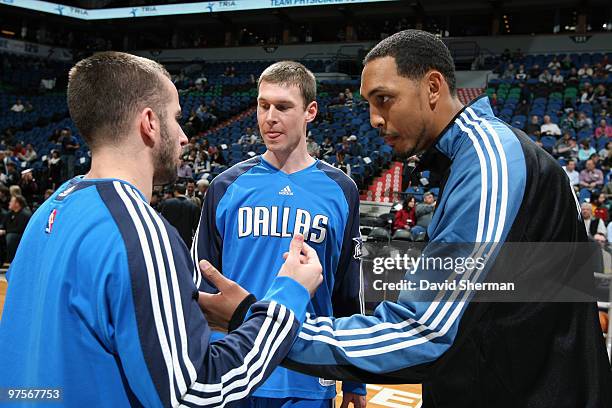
<point>182,213</point>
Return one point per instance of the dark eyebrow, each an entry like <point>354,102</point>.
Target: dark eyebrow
<point>376,90</point>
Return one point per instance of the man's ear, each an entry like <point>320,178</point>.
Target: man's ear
<point>435,83</point>
<point>311,111</point>
<point>149,125</point>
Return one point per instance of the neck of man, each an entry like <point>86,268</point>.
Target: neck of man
<point>290,161</point>
<point>445,112</point>
<point>119,164</point>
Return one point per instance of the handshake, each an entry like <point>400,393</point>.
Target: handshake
<point>301,264</point>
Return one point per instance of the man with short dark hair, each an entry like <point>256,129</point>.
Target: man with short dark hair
<point>497,186</point>
<point>103,287</point>
<point>15,224</point>
<point>182,213</point>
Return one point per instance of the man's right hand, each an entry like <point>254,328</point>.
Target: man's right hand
<point>302,265</point>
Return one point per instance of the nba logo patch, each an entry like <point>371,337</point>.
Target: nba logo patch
<point>50,221</point>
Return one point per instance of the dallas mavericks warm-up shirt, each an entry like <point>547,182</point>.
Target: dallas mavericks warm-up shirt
<point>250,213</point>
<point>102,305</point>
<point>497,186</point>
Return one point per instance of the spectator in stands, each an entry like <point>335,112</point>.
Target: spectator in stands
<point>354,147</point>
<point>29,156</point>
<point>591,177</point>
<point>533,127</point>
<point>191,157</point>
<point>588,94</point>
<point>200,83</point>
<point>601,206</point>
<point>585,71</point>
<point>27,107</point>
<point>216,158</point>
<point>349,97</point>
<point>12,177</point>
<point>605,251</point>
<point>341,164</point>
<point>596,160</point>
<point>327,148</point>
<point>566,63</point>
<point>506,55</point>
<point>248,138</point>
<point>605,152</point>
<point>202,161</point>
<point>572,174</point>
<point>599,72</point>
<point>526,94</point>
<point>207,118</point>
<point>510,72</point>
<point>573,152</point>
<point>182,213</point>
<point>521,73</point>
<point>557,80</point>
<point>191,193</point>
<point>603,129</point>
<point>202,186</point>
<point>15,190</point>
<point>518,55</point>
<point>569,122</point>
<point>545,77</point>
<point>70,145</point>
<point>424,210</point>
<point>17,107</point>
<point>5,197</point>
<point>554,65</point>
<point>583,122</point>
<point>406,217</point>
<point>312,147</point>
<point>586,150</point>
<point>592,224</point>
<point>28,185</point>
<point>562,146</point>
<point>601,98</point>
<point>184,170</point>
<point>493,99</point>
<point>548,128</point>
<point>18,150</point>
<point>339,100</point>
<point>534,71</point>
<point>55,169</point>
<point>55,136</point>
<point>15,224</point>
<point>573,77</point>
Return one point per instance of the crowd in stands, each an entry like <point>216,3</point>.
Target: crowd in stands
<point>564,104</point>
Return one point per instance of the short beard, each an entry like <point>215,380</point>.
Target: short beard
<point>164,159</point>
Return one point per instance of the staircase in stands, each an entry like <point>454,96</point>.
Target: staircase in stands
<point>386,188</point>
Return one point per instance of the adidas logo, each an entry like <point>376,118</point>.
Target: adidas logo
<point>286,191</point>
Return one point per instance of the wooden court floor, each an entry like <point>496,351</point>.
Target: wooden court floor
<point>379,396</point>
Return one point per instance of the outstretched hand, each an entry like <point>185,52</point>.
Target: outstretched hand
<point>220,307</point>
